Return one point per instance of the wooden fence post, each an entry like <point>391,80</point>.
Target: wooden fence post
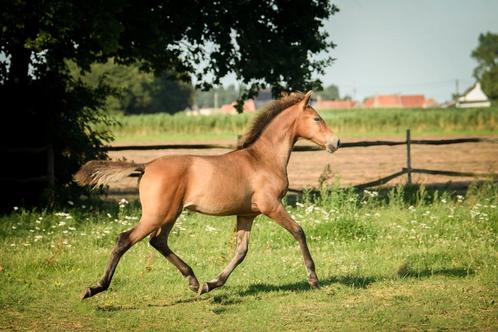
<point>408,156</point>
<point>51,173</point>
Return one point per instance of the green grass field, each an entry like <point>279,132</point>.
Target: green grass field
<point>392,261</point>
<point>347,123</point>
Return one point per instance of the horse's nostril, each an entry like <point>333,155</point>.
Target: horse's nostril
<point>338,143</point>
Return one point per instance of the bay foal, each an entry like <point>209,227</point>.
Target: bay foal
<point>246,182</point>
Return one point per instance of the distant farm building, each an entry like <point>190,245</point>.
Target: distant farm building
<point>473,97</point>
<point>399,101</point>
<point>334,104</point>
<point>249,106</point>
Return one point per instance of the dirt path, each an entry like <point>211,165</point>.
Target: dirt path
<point>358,165</point>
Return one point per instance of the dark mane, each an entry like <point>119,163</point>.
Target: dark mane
<point>265,115</point>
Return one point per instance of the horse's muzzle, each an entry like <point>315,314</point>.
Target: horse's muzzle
<point>333,145</point>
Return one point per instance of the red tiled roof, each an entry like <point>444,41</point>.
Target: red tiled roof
<point>383,101</point>
<point>413,101</point>
<point>334,104</point>
<point>399,101</point>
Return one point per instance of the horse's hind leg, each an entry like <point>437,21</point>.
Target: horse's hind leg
<point>124,242</point>
<point>159,240</point>
<point>244,225</point>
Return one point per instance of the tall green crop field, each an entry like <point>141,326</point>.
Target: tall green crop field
<point>347,123</point>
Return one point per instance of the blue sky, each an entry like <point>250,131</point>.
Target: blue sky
<point>401,46</point>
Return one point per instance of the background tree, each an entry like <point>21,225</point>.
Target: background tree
<point>134,91</point>
<point>266,42</point>
<point>486,71</point>
<point>330,92</point>
<point>220,94</point>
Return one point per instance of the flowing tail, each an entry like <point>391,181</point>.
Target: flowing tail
<point>102,172</point>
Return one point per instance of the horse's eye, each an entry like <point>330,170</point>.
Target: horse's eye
<point>318,119</point>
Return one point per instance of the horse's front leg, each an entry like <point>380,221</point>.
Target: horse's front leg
<point>277,212</point>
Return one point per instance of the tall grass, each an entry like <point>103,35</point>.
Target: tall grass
<point>352,123</point>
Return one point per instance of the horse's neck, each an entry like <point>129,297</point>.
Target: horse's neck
<point>276,142</point>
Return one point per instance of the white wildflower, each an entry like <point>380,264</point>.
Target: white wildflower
<point>122,203</point>
<point>70,203</point>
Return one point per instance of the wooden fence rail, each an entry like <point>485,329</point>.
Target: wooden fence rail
<point>50,176</point>
<point>408,170</point>
<point>300,148</point>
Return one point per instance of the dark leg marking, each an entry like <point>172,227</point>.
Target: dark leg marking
<point>160,243</point>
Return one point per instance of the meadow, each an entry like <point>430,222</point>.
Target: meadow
<point>400,259</point>
<point>347,123</point>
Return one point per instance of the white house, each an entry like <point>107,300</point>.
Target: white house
<point>473,97</point>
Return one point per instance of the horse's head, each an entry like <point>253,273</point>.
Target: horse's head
<point>310,125</point>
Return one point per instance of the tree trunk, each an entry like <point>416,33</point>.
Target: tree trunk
<point>20,58</point>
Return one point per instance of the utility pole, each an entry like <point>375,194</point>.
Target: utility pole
<point>215,96</point>
<point>457,92</point>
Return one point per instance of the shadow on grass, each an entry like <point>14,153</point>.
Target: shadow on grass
<point>357,282</point>
<point>302,286</point>
<point>458,272</point>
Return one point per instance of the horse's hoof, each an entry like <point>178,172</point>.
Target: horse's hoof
<point>314,284</point>
<point>203,289</point>
<point>194,288</point>
<point>193,284</point>
<point>86,294</point>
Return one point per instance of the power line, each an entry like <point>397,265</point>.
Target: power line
<point>404,85</point>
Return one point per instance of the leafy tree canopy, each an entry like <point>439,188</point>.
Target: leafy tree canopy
<point>279,43</point>
<point>261,42</point>
<point>486,71</point>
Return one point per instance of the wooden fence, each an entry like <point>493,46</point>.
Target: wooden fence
<point>408,170</point>
<point>50,178</point>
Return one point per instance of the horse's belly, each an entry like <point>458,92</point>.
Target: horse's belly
<point>218,207</point>
<point>219,201</point>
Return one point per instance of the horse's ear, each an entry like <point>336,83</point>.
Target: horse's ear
<point>306,99</point>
